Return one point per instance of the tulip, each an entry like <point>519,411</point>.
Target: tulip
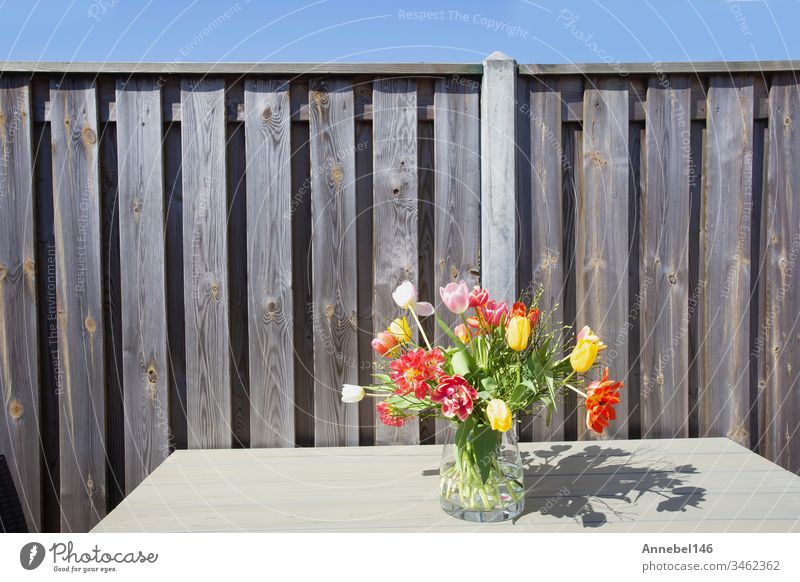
<point>462,333</point>
<point>385,343</point>
<point>518,332</point>
<point>533,316</point>
<point>478,297</point>
<point>586,349</point>
<point>455,297</point>
<point>352,393</point>
<point>494,312</point>
<point>405,295</point>
<point>499,415</point>
<point>400,329</point>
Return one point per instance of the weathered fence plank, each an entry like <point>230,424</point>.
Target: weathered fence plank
<point>205,256</point>
<point>269,266</point>
<point>664,279</point>
<point>602,233</point>
<point>394,215</point>
<point>547,160</point>
<point>725,260</point>
<point>779,339</point>
<point>19,362</point>
<point>142,267</point>
<point>498,176</point>
<point>76,202</point>
<point>333,242</point>
<point>457,195</point>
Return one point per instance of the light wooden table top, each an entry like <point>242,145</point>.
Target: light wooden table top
<point>683,485</point>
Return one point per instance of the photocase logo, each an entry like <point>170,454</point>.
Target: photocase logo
<point>31,555</point>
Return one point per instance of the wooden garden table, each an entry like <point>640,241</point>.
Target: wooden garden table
<point>683,485</point>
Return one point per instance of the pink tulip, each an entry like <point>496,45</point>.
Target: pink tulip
<point>455,296</point>
<point>494,312</point>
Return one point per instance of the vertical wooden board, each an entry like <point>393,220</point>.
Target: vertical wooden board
<point>499,246</point>
<point>725,262</point>
<point>457,199</point>
<point>366,365</point>
<point>269,268</point>
<point>176,314</point>
<point>546,219</point>
<point>303,333</point>
<point>394,213</point>
<point>142,273</point>
<point>334,269</point>
<point>112,311</point>
<point>602,235</point>
<point>666,210</point>
<point>48,329</point>
<point>19,360</point>
<point>237,283</point>
<point>76,201</point>
<point>205,256</point>
<point>780,395</point>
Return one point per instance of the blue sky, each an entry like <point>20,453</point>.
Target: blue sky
<point>540,31</point>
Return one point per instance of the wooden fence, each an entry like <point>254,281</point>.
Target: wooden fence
<point>198,255</point>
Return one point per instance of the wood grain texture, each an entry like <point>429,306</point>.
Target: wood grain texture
<point>457,199</point>
<point>394,215</point>
<point>547,159</point>
<point>19,350</point>
<point>725,260</point>
<point>205,256</point>
<point>498,177</point>
<point>602,235</point>
<point>666,210</point>
<point>780,328</point>
<point>681,485</point>
<point>176,314</point>
<point>269,267</point>
<point>76,203</point>
<point>237,283</point>
<point>142,273</point>
<point>333,241</point>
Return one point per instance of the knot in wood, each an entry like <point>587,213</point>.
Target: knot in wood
<point>2,118</point>
<point>137,207</point>
<point>782,263</point>
<point>787,120</point>
<point>152,375</point>
<point>90,483</point>
<point>15,409</point>
<point>90,324</point>
<point>89,135</point>
<point>29,267</point>
<point>453,272</point>
<point>396,191</point>
<point>672,279</point>
<point>337,174</point>
<point>3,272</point>
<point>329,310</point>
<point>318,96</point>
<point>66,121</point>
<point>354,319</point>
<point>273,307</point>
<point>475,273</point>
<point>266,115</point>
<point>214,290</point>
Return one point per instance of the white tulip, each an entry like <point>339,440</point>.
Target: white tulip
<point>352,393</point>
<point>405,295</point>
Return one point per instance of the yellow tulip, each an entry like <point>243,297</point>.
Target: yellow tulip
<point>586,349</point>
<point>499,415</point>
<point>400,330</point>
<point>518,332</point>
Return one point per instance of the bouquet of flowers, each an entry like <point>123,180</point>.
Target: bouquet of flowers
<point>501,360</point>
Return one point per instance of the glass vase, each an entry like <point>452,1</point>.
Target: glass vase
<point>488,490</point>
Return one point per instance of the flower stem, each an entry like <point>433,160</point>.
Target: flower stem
<point>421,330</point>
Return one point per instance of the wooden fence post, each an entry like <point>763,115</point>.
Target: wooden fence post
<point>498,175</point>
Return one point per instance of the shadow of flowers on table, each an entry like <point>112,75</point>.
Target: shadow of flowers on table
<point>589,485</point>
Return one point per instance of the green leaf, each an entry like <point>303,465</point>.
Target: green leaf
<point>519,395</point>
<point>448,332</point>
<point>489,384</point>
<point>382,378</point>
<point>483,441</point>
<point>462,363</point>
<point>481,348</point>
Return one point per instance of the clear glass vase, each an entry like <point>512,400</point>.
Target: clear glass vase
<point>465,493</point>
